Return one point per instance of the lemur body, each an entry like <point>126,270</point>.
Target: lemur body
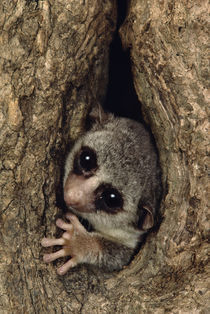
<point>112,179</point>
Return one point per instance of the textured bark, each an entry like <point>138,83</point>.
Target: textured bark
<point>54,65</point>
<point>54,60</point>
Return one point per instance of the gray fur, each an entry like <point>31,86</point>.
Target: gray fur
<point>127,159</point>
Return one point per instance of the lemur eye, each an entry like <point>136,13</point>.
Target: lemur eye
<point>112,198</point>
<point>87,159</point>
<point>108,199</point>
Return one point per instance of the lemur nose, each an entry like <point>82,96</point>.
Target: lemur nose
<point>79,192</point>
<point>73,197</point>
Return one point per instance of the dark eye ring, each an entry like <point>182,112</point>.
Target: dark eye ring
<point>87,160</point>
<point>110,200</point>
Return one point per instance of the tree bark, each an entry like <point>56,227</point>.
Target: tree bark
<point>54,65</point>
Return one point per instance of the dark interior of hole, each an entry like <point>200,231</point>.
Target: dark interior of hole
<point>121,98</point>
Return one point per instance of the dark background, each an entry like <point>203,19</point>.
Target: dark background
<point>121,98</point>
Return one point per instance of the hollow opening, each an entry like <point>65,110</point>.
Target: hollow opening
<point>121,98</point>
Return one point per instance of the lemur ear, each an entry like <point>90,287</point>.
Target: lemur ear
<point>146,218</point>
<point>98,118</point>
<point>98,115</point>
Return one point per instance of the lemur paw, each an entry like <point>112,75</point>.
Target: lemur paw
<point>76,242</point>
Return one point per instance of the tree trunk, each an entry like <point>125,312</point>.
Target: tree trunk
<point>54,66</point>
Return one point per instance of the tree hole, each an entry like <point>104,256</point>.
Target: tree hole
<point>121,98</point>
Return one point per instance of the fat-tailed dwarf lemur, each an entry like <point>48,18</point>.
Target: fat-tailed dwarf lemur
<point>112,179</point>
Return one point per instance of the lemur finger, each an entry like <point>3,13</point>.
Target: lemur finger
<point>64,268</point>
<point>75,222</point>
<point>67,236</point>
<point>63,225</point>
<point>46,242</point>
<point>53,256</point>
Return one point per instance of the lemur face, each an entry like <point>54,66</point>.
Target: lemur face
<point>84,191</point>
